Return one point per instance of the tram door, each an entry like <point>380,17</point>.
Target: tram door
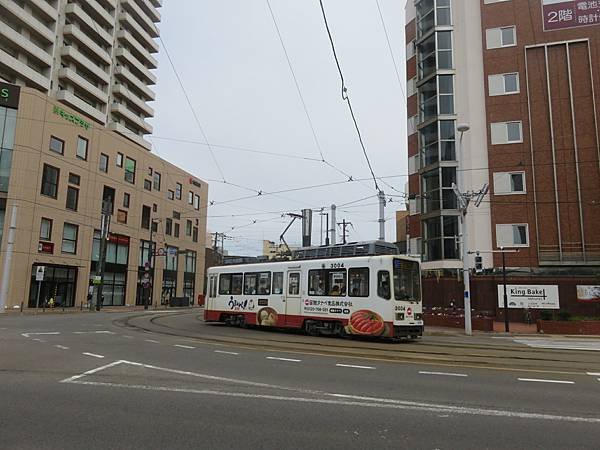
<point>212,292</point>
<point>292,297</point>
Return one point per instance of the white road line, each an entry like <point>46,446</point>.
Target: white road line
<point>90,372</point>
<point>93,332</point>
<point>284,359</point>
<point>92,354</point>
<point>39,334</point>
<point>62,347</point>
<point>39,340</point>
<point>152,341</point>
<point>594,374</point>
<point>183,346</point>
<point>127,337</point>
<point>447,374</point>
<point>226,353</point>
<point>352,366</point>
<point>537,380</point>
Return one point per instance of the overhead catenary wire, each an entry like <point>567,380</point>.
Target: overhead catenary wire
<point>387,37</point>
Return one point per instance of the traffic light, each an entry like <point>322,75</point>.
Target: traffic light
<point>478,264</point>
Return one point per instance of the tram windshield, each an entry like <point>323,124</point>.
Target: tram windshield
<point>407,280</point>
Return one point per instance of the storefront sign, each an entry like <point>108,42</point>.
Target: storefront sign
<point>9,95</point>
<point>543,296</point>
<point>46,247</point>
<point>560,14</point>
<point>39,273</point>
<point>71,117</point>
<point>195,183</point>
<point>588,294</point>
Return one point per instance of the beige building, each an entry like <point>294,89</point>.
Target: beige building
<point>96,56</point>
<point>273,250</point>
<point>56,168</point>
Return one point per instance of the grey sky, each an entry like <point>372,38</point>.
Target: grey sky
<point>232,65</point>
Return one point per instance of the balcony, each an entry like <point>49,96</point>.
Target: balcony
<point>141,17</point>
<point>131,117</point>
<point>100,13</point>
<point>82,38</point>
<point>71,53</point>
<point>25,45</point>
<point>45,9</point>
<point>150,10</point>
<point>75,102</point>
<point>79,81</point>
<point>140,70</point>
<point>122,130</point>
<point>37,27</point>
<point>140,52</point>
<point>131,97</point>
<point>90,24</point>
<point>132,82</point>
<point>21,70</point>
<point>138,32</point>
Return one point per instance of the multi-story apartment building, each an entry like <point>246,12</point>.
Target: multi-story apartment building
<point>522,74</point>
<point>96,56</point>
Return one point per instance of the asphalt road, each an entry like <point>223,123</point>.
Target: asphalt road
<point>106,380</point>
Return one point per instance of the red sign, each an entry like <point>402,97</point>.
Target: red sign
<point>569,14</point>
<point>118,239</point>
<point>45,247</point>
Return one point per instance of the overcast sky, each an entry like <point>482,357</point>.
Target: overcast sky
<point>231,62</point>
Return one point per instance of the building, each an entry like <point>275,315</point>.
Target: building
<point>96,57</point>
<point>402,230</point>
<point>522,74</point>
<point>272,250</point>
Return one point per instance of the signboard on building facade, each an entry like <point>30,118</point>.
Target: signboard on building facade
<point>560,14</point>
<point>588,294</point>
<point>9,95</point>
<point>544,296</point>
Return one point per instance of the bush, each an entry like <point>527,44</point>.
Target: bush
<point>546,315</point>
<point>564,315</point>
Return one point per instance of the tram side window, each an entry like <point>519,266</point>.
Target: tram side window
<point>264,283</point>
<point>358,281</point>
<point>257,283</point>
<point>337,282</point>
<point>327,282</point>
<point>277,283</point>
<point>383,284</point>
<point>250,283</point>
<point>236,283</point>
<point>294,283</point>
<point>316,282</point>
<point>225,284</point>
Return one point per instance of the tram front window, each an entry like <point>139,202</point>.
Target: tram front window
<point>407,281</point>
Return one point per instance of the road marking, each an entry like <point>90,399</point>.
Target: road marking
<point>537,380</point>
<point>93,332</point>
<point>39,334</point>
<point>90,372</point>
<point>62,347</point>
<point>127,337</point>
<point>92,354</point>
<point>352,366</point>
<point>39,340</point>
<point>284,359</point>
<point>594,374</point>
<point>152,341</point>
<point>575,344</point>
<point>226,353</point>
<point>448,374</point>
<point>183,346</point>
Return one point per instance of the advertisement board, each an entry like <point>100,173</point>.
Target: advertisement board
<point>560,14</point>
<point>543,296</point>
<point>588,294</point>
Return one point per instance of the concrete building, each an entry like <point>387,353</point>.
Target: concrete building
<point>272,250</point>
<point>522,74</point>
<point>96,56</point>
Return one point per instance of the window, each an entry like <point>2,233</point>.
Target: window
<point>190,198</point>
<point>178,188</point>
<point>500,37</point>
<point>439,238</point>
<point>257,283</point>
<point>121,216</point>
<point>69,239</point>
<point>50,181</point>
<point>145,217</point>
<point>190,262</point>
<point>188,227</point>
<point>156,181</point>
<point>411,49</point>
<point>150,171</point>
<point>230,283</point>
<point>146,253</point>
<point>327,282</point>
<point>195,234</point>
<point>46,229</point>
<point>509,183</point>
<point>82,148</point>
<point>126,200</point>
<point>169,227</point>
<point>503,84</point>
<point>117,248</point>
<point>176,230</point>
<point>108,196</point>
<point>72,198</point>
<point>196,202</point>
<point>512,235</point>
<point>171,258</point>
<point>358,282</point>
<point>103,164</point>
<point>170,194</point>
<point>57,145</point>
<point>154,207</point>
<point>294,283</point>
<point>383,284</point>
<point>277,283</point>
<point>506,132</point>
<point>119,160</point>
<point>154,226</point>
<point>148,185</point>
<point>176,215</point>
<point>74,179</point>
<point>130,170</point>
<point>508,36</point>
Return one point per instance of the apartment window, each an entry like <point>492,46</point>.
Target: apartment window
<point>190,198</point>
<point>439,238</point>
<point>196,201</point>
<point>512,235</point>
<point>121,216</point>
<point>130,170</point>
<point>74,179</point>
<point>413,164</point>
<point>150,172</point>
<point>169,227</point>
<point>119,160</point>
<point>176,215</point>
<point>188,227</point>
<point>46,229</point>
<point>50,181</point>
<point>126,200</point>
<point>425,16</point>
<point>145,217</point>
<point>103,164</point>
<point>178,189</point>
<point>444,49</point>
<point>176,230</point>
<point>506,132</point>
<point>503,84</point>
<point>411,87</point>
<point>190,261</point>
<point>509,183</point>
<point>411,49</point>
<point>170,194</point>
<point>57,145</point>
<point>109,196</point>
<point>171,258</point>
<point>195,234</point>
<point>69,239</point>
<point>72,198</point>
<point>500,37</point>
<point>411,125</point>
<point>82,148</point>
<point>148,185</point>
<point>154,207</point>
<point>156,181</point>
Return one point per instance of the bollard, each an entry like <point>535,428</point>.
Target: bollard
<point>21,307</point>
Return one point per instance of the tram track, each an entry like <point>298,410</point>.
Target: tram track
<point>494,356</point>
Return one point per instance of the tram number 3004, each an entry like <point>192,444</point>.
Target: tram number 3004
<point>337,265</point>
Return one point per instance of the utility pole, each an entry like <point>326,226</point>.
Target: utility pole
<point>344,224</point>
<point>326,228</point>
<point>10,244</point>
<point>104,229</point>
<point>151,251</point>
<point>333,239</point>
<point>381,197</point>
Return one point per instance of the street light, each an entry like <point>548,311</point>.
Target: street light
<point>462,128</point>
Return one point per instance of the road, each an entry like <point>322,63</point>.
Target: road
<point>167,380</point>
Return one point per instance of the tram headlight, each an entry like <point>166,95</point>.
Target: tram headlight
<point>399,316</point>
<point>418,316</point>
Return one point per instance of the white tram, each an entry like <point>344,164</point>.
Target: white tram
<point>361,295</point>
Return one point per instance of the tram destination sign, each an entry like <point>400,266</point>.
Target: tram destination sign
<point>561,14</point>
<point>541,296</point>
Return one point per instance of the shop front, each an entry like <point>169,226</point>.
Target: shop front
<point>57,289</point>
<point>115,269</point>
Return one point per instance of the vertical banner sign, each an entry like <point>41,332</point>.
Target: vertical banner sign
<point>560,14</point>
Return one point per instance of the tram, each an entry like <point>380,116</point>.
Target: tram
<point>375,295</point>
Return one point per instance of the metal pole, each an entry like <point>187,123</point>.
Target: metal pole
<point>505,296</point>
<point>326,228</point>
<point>467,293</point>
<point>105,224</point>
<point>333,239</point>
<point>381,220</point>
<point>37,301</point>
<point>321,234</point>
<point>10,243</point>
<point>150,251</point>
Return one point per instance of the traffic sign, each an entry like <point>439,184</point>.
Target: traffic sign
<point>39,273</point>
<point>172,251</point>
<point>146,282</point>
<point>97,279</point>
<point>161,252</point>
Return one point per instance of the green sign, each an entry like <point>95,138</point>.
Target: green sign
<point>9,95</point>
<point>71,117</point>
